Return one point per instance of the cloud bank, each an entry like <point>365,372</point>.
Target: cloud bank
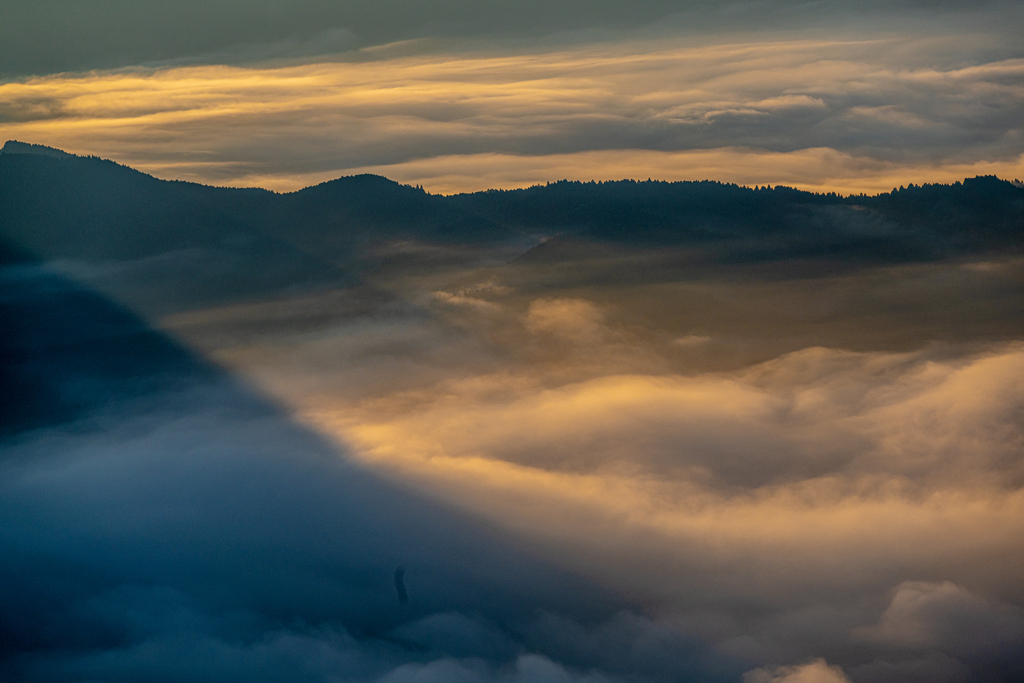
<point>430,461</point>
<point>694,447</point>
<point>186,529</point>
<point>593,461</point>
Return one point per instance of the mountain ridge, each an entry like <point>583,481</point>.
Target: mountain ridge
<point>198,244</point>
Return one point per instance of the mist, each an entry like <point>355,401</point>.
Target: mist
<point>630,431</point>
<point>784,467</point>
<point>165,522</point>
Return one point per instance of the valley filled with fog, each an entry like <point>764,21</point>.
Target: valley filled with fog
<point>620,431</point>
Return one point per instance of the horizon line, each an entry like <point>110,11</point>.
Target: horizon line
<point>20,148</point>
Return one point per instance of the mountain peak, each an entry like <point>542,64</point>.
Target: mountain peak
<point>16,147</point>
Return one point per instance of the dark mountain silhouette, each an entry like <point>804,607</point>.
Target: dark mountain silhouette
<point>224,243</point>
<point>16,147</point>
<point>916,223</point>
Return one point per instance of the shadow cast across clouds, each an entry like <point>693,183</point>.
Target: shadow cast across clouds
<point>164,523</point>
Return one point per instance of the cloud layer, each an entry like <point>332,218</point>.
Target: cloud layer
<point>692,445</point>
<point>593,463</point>
<point>616,465</point>
<point>64,35</point>
<point>178,527</point>
<point>850,114</point>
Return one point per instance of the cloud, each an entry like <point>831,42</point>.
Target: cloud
<point>771,508</point>
<point>817,671</point>
<point>63,35</point>
<point>858,114</point>
<point>527,669</point>
<point>620,467</point>
<point>464,300</point>
<point>941,631</point>
<point>179,527</point>
<point>941,615</point>
<point>574,319</point>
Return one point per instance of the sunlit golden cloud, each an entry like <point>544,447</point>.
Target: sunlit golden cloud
<point>808,497</point>
<point>812,468</point>
<point>819,470</point>
<point>849,116</point>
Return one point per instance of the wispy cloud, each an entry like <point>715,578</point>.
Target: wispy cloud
<point>847,115</point>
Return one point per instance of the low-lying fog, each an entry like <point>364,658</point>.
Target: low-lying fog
<point>814,473</point>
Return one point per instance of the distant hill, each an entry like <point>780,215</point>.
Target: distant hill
<point>15,147</point>
<point>197,244</point>
<point>175,244</point>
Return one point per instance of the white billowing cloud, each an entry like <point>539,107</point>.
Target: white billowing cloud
<point>852,505</point>
<point>809,474</point>
<point>942,615</point>
<point>817,412</point>
<point>198,534</point>
<point>527,669</point>
<point>817,671</point>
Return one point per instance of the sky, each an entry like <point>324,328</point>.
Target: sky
<point>463,96</point>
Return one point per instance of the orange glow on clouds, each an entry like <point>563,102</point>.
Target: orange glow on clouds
<point>851,464</point>
<point>752,113</point>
